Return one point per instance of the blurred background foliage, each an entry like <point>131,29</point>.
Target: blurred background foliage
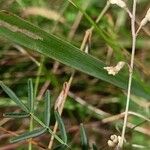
<point>87,95</point>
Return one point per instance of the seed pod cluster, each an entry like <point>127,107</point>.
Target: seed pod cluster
<point>114,141</point>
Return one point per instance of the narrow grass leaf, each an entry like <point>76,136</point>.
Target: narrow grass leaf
<point>61,127</point>
<point>13,96</point>
<point>47,109</point>
<point>28,135</point>
<point>84,139</point>
<point>30,96</point>
<point>32,37</point>
<point>16,115</point>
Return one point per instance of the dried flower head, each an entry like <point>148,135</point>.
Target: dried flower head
<point>120,3</point>
<point>114,70</point>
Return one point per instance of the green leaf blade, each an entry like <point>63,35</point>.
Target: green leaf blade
<point>61,127</point>
<point>13,96</point>
<point>30,36</point>
<point>28,135</point>
<point>47,112</point>
<point>30,96</point>
<point>16,115</point>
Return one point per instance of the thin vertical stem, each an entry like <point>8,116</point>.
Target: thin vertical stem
<point>130,72</point>
<point>30,129</point>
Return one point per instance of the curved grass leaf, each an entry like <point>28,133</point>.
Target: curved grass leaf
<point>16,115</point>
<point>30,96</point>
<point>84,139</point>
<point>13,96</point>
<point>61,127</point>
<point>30,36</point>
<point>28,135</point>
<point>47,109</point>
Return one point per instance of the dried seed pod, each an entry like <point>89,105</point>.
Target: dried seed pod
<point>119,140</point>
<point>114,141</point>
<point>111,143</point>
<point>114,138</point>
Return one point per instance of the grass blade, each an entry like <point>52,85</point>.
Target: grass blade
<point>61,127</point>
<point>30,36</point>
<point>16,115</point>
<point>13,96</point>
<point>30,96</point>
<point>28,135</point>
<point>47,108</point>
<point>84,139</point>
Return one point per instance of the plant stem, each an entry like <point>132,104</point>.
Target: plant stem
<point>30,129</point>
<point>31,108</point>
<point>130,72</point>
